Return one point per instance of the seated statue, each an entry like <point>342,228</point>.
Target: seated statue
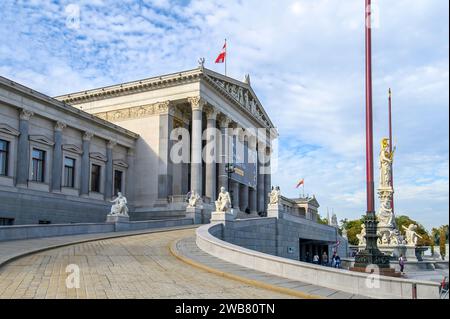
<point>223,202</point>
<point>119,208</point>
<point>194,199</point>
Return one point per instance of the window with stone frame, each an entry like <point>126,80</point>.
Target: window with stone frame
<point>38,165</point>
<point>4,157</point>
<point>69,172</point>
<point>117,181</point>
<point>95,178</point>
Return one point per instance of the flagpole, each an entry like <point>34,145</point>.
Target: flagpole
<point>226,57</point>
<point>390,144</point>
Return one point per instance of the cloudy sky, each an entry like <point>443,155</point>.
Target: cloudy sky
<point>306,61</point>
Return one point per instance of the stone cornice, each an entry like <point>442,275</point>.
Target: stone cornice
<point>47,100</point>
<point>153,83</point>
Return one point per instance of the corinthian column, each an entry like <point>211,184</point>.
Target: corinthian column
<point>109,170</point>
<point>84,185</point>
<point>23,160</point>
<point>196,144</point>
<point>211,154</point>
<point>224,122</point>
<point>57,156</point>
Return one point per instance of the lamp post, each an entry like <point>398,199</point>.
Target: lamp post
<point>371,255</point>
<point>229,169</point>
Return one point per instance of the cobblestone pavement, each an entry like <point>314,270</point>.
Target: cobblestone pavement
<point>128,267</point>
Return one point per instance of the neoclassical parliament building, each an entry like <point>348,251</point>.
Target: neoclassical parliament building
<point>62,159</point>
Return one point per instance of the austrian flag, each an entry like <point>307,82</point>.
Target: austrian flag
<point>221,57</point>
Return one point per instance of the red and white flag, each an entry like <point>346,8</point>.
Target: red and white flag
<point>300,182</point>
<point>222,55</point>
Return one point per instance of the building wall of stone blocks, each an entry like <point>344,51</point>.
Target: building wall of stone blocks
<point>279,236</point>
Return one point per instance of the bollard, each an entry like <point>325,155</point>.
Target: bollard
<point>414,291</point>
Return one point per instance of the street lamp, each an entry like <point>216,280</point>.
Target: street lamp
<point>229,169</point>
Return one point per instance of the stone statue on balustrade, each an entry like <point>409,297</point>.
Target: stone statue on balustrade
<point>334,221</point>
<point>411,235</point>
<point>223,202</point>
<point>194,200</point>
<point>274,196</point>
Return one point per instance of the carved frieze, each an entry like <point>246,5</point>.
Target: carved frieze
<point>137,112</point>
<point>244,97</point>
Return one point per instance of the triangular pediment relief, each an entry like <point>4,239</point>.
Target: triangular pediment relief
<point>72,148</point>
<point>120,162</point>
<point>313,201</point>
<point>98,156</point>
<point>242,94</point>
<point>41,139</point>
<point>7,129</point>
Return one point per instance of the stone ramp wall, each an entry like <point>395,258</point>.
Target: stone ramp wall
<point>18,232</point>
<point>338,279</point>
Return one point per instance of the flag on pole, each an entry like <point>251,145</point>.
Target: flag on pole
<point>222,55</point>
<point>300,182</point>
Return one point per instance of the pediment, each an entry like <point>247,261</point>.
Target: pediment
<point>7,129</point>
<point>313,201</point>
<point>242,94</point>
<point>72,148</point>
<point>98,156</point>
<point>120,162</point>
<point>41,139</point>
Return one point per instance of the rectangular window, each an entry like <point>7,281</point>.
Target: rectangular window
<point>38,166</point>
<point>69,172</point>
<point>4,154</point>
<point>117,182</point>
<point>95,178</point>
<point>6,221</point>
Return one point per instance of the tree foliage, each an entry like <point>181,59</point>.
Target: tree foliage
<point>442,241</point>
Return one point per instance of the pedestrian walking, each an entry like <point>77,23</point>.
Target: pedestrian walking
<point>401,262</point>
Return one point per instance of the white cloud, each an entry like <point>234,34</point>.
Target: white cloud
<point>306,60</point>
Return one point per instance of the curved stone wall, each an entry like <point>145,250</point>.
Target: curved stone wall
<point>207,239</point>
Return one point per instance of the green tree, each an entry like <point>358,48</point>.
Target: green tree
<point>442,241</point>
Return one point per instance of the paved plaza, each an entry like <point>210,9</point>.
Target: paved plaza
<point>127,267</point>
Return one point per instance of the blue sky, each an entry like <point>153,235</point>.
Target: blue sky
<point>306,61</point>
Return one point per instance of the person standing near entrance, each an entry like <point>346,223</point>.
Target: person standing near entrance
<point>307,257</point>
<point>324,259</point>
<point>316,259</point>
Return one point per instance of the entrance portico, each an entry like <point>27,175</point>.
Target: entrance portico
<point>208,112</point>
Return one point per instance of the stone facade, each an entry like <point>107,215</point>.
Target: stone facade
<point>90,140</point>
<point>51,150</point>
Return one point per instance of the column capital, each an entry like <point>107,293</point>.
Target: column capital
<point>26,114</point>
<point>197,103</point>
<point>88,135</point>
<point>211,113</point>
<point>224,121</point>
<point>111,144</point>
<point>165,107</point>
<point>59,126</point>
